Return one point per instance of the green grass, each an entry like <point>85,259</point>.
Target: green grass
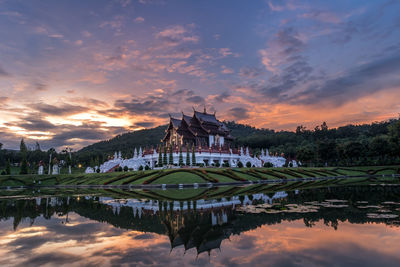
<point>179,178</point>
<point>188,176</point>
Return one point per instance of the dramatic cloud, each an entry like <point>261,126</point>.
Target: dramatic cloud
<point>120,66</point>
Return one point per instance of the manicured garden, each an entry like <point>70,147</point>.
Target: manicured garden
<point>189,176</point>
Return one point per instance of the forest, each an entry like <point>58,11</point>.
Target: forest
<point>377,143</point>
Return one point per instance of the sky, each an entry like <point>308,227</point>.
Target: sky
<point>76,72</point>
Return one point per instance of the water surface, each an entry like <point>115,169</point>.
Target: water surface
<point>329,226</point>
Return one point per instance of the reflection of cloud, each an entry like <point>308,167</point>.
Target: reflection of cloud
<point>90,243</point>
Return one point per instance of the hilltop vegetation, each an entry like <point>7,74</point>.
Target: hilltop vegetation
<point>377,143</point>
<point>367,144</point>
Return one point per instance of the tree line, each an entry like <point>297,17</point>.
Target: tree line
<point>377,143</point>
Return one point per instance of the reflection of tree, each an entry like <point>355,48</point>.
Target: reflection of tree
<point>205,229</point>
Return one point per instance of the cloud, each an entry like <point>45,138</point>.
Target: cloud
<point>145,124</point>
<point>116,23</point>
<point>239,113</point>
<point>322,16</point>
<point>3,73</point>
<point>151,106</point>
<point>34,123</point>
<point>40,86</point>
<point>4,99</point>
<point>285,47</point>
<point>250,72</point>
<point>139,20</point>
<point>360,81</point>
<point>124,3</point>
<point>86,34</point>
<point>176,35</point>
<point>222,97</point>
<point>195,99</point>
<point>59,110</point>
<point>226,70</point>
<point>225,52</point>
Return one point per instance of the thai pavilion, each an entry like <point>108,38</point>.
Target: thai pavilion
<point>202,134</point>
<point>201,130</point>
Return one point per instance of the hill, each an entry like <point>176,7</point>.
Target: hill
<point>375,143</point>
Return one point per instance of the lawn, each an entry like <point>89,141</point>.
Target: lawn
<point>189,176</point>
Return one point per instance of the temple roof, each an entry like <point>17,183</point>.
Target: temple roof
<point>206,117</point>
<point>201,124</point>
<point>176,122</point>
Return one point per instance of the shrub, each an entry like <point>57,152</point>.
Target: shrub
<point>248,164</point>
<point>125,168</point>
<point>290,164</point>
<point>3,172</point>
<point>217,164</point>
<point>141,168</point>
<point>98,170</point>
<point>147,167</point>
<point>226,164</point>
<point>268,165</point>
<point>130,169</point>
<point>240,164</point>
<point>120,169</point>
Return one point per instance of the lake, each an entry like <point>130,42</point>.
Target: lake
<point>257,225</point>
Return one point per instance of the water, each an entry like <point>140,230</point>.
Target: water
<point>228,226</point>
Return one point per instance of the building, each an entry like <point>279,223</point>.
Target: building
<point>202,134</point>
<point>201,130</point>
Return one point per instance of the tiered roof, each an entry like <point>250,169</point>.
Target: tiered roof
<point>201,124</point>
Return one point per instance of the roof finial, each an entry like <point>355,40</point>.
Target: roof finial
<point>205,111</point>
<point>193,109</point>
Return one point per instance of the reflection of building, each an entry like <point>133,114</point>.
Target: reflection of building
<point>201,224</point>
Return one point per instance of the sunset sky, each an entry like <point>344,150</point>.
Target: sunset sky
<point>75,72</point>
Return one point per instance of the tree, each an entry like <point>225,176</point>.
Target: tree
<point>180,157</point>
<point>326,150</point>
<point>8,167</point>
<point>24,163</point>
<point>394,136</point>
<point>193,156</point>
<point>379,147</point>
<point>50,152</point>
<point>68,158</point>
<point>165,156</point>
<point>160,156</point>
<point>171,156</point>
<point>305,153</point>
<point>187,155</point>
